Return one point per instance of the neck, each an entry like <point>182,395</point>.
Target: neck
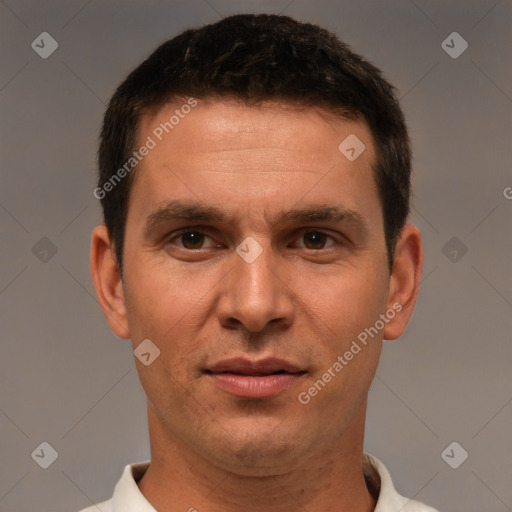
<point>179,479</point>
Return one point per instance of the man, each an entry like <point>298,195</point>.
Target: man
<point>254,179</point>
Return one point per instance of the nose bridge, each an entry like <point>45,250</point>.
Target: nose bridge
<point>257,293</point>
<point>254,268</point>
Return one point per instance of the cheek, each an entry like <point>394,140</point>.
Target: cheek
<point>167,307</point>
<point>345,302</point>
<point>159,301</point>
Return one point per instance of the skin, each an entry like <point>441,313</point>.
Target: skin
<point>304,299</point>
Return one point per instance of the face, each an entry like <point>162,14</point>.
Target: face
<point>254,259</point>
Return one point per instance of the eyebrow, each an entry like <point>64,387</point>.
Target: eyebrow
<point>193,211</point>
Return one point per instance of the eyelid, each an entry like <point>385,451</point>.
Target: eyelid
<point>297,234</point>
<point>303,231</point>
<point>191,229</point>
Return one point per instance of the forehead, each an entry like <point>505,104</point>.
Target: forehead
<point>271,154</point>
<point>217,125</point>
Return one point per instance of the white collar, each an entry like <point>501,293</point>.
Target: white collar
<point>128,498</point>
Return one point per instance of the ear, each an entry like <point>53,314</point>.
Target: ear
<point>404,283</point>
<point>107,281</point>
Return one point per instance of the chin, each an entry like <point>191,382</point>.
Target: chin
<point>256,445</point>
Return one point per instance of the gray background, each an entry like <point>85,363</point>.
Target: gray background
<point>65,379</point>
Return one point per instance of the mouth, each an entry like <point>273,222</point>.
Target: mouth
<point>244,378</point>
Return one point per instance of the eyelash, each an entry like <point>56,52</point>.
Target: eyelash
<point>302,233</point>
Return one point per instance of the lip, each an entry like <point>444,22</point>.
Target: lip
<point>244,378</point>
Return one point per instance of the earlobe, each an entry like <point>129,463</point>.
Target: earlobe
<point>107,281</point>
<point>405,280</point>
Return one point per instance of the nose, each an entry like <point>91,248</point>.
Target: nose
<point>257,293</point>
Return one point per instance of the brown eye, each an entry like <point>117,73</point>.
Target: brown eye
<point>192,240</point>
<point>315,239</point>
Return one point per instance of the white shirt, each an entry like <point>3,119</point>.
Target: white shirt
<point>128,498</point>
